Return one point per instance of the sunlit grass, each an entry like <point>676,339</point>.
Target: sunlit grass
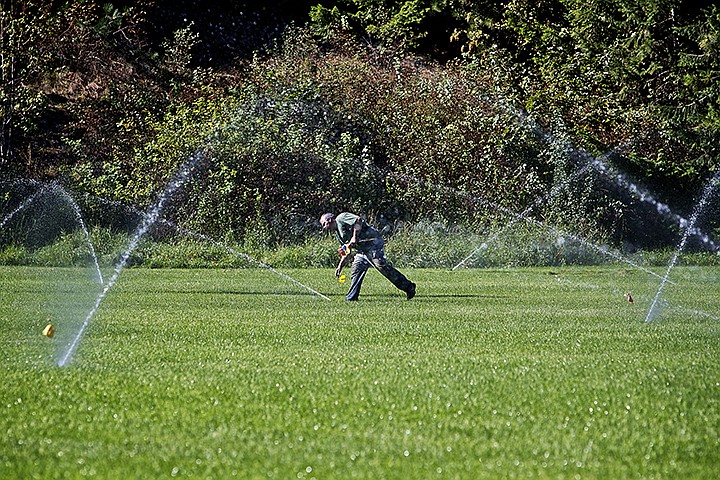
<point>505,373</point>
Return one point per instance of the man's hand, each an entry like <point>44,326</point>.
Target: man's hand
<point>341,264</point>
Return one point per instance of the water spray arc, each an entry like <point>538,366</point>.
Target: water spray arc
<point>521,216</point>
<point>78,217</point>
<point>619,179</point>
<point>61,192</point>
<point>525,218</point>
<point>245,256</point>
<point>26,203</point>
<point>217,243</point>
<point>182,175</point>
<point>704,200</point>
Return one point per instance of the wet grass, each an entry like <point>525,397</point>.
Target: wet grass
<point>509,373</point>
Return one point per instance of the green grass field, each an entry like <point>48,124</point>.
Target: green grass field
<point>508,373</point>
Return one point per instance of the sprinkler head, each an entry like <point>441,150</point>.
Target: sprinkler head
<point>49,331</point>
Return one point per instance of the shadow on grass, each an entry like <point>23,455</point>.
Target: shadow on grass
<point>331,295</point>
<point>421,296</point>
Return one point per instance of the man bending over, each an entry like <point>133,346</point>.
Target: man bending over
<point>354,234</point>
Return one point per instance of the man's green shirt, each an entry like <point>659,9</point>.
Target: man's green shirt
<point>345,223</point>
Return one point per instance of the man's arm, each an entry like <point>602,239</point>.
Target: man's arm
<point>341,264</point>
<point>356,231</point>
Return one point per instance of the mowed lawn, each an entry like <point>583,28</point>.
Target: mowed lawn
<point>508,373</point>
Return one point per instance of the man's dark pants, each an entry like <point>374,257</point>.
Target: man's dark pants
<point>373,256</point>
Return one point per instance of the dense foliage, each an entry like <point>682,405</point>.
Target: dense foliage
<point>437,110</point>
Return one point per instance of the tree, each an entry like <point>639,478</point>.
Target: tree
<point>403,24</point>
<point>22,57</point>
<point>694,95</point>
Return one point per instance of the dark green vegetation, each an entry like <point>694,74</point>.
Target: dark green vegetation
<point>421,246</point>
<point>403,110</point>
<point>508,373</point>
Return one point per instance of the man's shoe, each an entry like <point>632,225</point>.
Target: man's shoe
<point>411,291</point>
